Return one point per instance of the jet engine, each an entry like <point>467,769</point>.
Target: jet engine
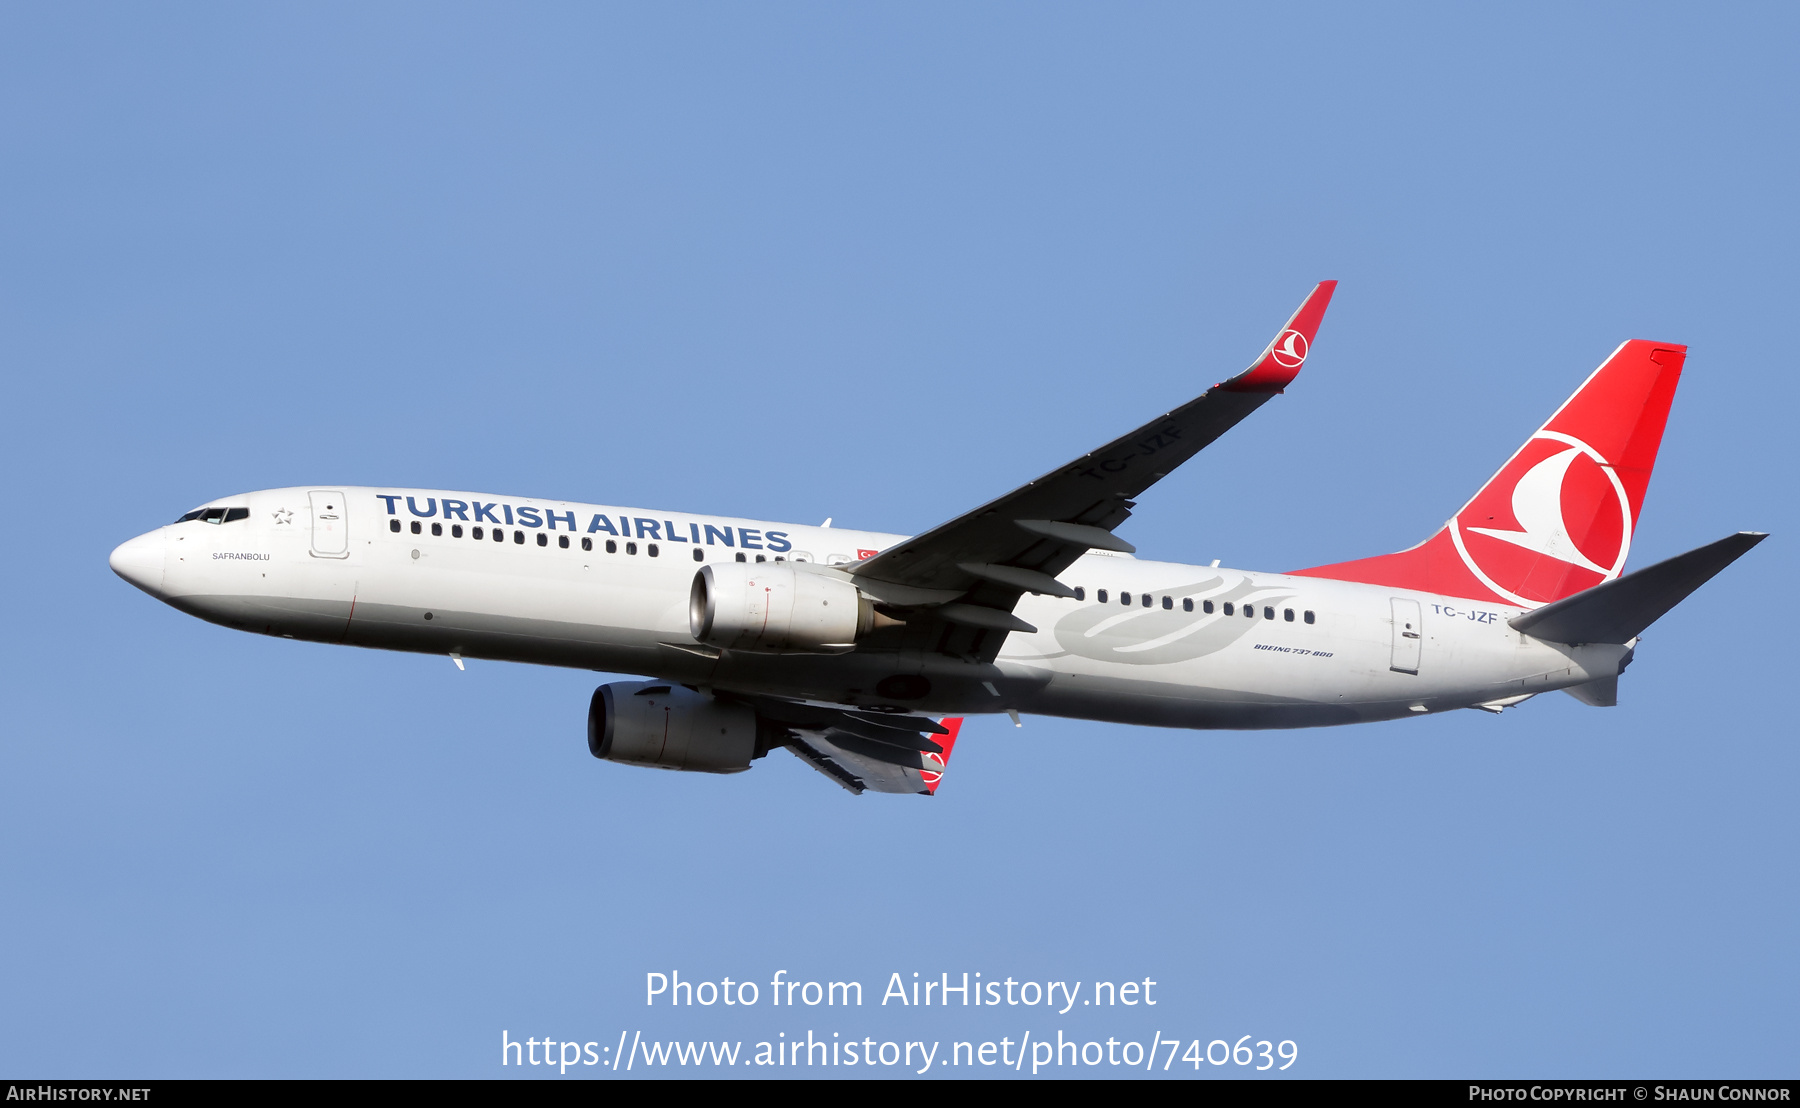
<point>647,723</point>
<point>776,608</point>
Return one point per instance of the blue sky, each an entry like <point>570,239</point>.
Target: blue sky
<point>879,262</point>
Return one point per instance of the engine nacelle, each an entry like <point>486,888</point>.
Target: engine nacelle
<point>649,723</point>
<point>776,608</point>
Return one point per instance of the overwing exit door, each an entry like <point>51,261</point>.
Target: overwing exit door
<point>330,525</point>
<point>1407,628</point>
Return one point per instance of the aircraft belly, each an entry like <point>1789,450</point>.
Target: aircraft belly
<point>1172,704</point>
<point>614,621</point>
<point>477,634</point>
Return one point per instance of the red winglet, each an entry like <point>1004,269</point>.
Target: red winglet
<point>954,726</point>
<point>1281,360</point>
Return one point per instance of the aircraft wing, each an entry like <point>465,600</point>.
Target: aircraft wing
<point>955,585</point>
<point>887,752</point>
<point>868,767</point>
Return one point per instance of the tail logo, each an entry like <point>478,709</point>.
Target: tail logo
<point>1289,350</point>
<point>1568,504</point>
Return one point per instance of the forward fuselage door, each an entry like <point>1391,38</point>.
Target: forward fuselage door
<point>330,525</point>
<point>1407,631</point>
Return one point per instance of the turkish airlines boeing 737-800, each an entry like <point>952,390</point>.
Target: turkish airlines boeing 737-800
<point>843,646</point>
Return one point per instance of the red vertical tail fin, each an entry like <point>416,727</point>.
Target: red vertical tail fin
<point>1559,516</point>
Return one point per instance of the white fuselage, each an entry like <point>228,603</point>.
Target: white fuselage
<point>288,569</point>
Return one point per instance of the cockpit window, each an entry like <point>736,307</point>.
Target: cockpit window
<point>216,515</point>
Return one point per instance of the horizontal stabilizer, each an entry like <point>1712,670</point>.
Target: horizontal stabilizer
<point>1601,692</point>
<point>1617,611</point>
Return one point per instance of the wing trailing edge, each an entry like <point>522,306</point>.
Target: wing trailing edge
<point>865,761</point>
<point>954,587</point>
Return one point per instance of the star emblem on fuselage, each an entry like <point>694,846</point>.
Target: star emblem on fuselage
<point>282,516</point>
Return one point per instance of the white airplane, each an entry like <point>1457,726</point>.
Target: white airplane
<point>847,646</point>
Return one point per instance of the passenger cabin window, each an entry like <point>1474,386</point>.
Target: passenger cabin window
<point>456,530</point>
<point>1100,596</point>
<point>631,548</point>
<point>416,529</point>
<point>651,550</point>
<point>394,526</point>
<point>437,529</point>
<point>1168,603</point>
<point>1228,610</point>
<point>1206,606</point>
<point>476,533</point>
<point>612,547</point>
<point>1249,611</point>
<point>699,555</point>
<point>1308,616</point>
<point>1125,599</point>
<point>1148,599</point>
<point>543,539</point>
<point>1080,593</point>
<point>741,558</point>
<point>519,537</point>
<point>499,535</point>
<point>587,544</point>
<point>562,541</point>
<point>1187,603</point>
<point>1268,612</point>
<point>1287,614</point>
<point>760,558</point>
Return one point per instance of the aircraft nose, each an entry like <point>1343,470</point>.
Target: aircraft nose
<point>140,561</point>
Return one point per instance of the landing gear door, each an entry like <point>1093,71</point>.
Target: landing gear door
<point>330,525</point>
<point>1407,631</point>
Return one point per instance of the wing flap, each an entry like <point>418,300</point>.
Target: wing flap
<point>860,765</point>
<point>821,760</point>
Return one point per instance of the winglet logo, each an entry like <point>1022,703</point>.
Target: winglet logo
<point>930,777</point>
<point>1568,505</point>
<point>1289,350</point>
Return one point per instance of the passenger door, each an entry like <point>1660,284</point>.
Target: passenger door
<point>1407,631</point>
<point>330,525</point>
